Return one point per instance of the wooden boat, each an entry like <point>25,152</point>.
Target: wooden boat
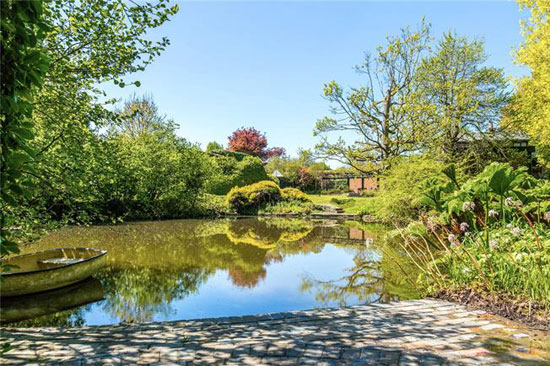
<point>17,308</point>
<point>49,270</point>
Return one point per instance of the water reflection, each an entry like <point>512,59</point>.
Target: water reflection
<point>35,305</point>
<point>193,268</point>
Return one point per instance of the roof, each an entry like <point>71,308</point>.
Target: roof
<point>500,135</point>
<point>277,174</point>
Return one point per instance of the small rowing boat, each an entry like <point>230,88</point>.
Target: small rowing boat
<point>48,270</point>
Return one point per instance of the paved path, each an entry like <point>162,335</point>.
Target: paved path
<point>409,333</point>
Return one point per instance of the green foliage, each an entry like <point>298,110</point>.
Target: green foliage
<point>234,169</point>
<point>376,112</point>
<point>267,195</point>
<point>417,97</point>
<point>239,156</point>
<point>303,172</point>
<point>249,199</point>
<point>491,234</point>
<point>456,96</point>
<point>529,110</point>
<point>67,151</point>
<point>139,169</point>
<point>167,175</point>
<point>23,64</point>
<point>402,187</point>
<point>293,194</point>
<point>213,146</point>
<point>289,168</point>
<point>212,205</point>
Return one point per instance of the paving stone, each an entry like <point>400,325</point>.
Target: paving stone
<point>408,333</point>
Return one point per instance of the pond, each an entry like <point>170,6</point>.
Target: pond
<point>184,269</point>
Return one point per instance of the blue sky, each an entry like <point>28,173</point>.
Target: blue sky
<point>263,64</point>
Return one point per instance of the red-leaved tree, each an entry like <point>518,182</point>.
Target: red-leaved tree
<point>253,142</point>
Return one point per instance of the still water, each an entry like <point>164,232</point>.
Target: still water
<point>184,269</point>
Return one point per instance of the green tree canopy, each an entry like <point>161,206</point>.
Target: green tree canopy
<point>376,113</point>
<point>213,145</point>
<point>529,110</point>
<point>456,95</point>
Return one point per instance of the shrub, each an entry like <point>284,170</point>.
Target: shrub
<point>235,170</point>
<point>402,186</point>
<point>249,199</point>
<point>213,205</point>
<point>293,194</point>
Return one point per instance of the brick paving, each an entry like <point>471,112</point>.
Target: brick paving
<point>408,333</point>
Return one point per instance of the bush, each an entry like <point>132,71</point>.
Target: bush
<point>235,170</point>
<point>293,194</point>
<point>213,205</point>
<point>239,156</point>
<point>250,198</point>
<point>402,186</point>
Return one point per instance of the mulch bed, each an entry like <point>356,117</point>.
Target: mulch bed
<point>532,314</point>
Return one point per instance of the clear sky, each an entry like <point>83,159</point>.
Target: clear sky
<point>263,64</point>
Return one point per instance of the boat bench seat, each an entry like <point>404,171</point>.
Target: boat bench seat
<point>56,262</point>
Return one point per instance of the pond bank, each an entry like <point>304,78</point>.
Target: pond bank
<point>327,216</point>
<point>421,332</point>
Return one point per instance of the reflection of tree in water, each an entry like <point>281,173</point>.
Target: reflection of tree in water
<point>245,279</point>
<point>150,265</point>
<point>374,277</point>
<point>250,279</point>
<point>66,318</point>
<point>137,294</point>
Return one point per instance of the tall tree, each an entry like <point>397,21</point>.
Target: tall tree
<point>253,142</point>
<point>90,42</point>
<point>140,115</point>
<point>456,95</point>
<point>377,113</point>
<point>530,107</point>
<point>213,145</point>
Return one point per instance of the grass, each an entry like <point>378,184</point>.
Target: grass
<point>361,205</point>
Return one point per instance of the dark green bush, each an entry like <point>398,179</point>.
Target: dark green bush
<point>235,170</point>
<point>239,156</point>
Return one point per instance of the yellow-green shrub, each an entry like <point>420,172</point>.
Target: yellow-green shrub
<point>249,198</point>
<point>293,194</point>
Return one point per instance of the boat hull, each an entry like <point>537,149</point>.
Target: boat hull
<point>44,279</point>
